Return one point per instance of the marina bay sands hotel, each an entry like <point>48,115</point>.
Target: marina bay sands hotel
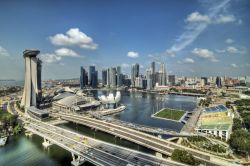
<point>32,92</point>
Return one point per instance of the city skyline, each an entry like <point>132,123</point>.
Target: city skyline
<point>180,34</point>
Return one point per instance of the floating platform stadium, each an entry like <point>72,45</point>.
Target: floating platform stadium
<point>216,121</point>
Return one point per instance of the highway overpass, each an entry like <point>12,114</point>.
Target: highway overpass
<point>157,144</point>
<point>88,149</point>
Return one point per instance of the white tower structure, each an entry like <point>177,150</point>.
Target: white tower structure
<point>32,82</point>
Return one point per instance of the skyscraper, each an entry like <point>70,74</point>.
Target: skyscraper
<point>118,76</point>
<point>205,80</point>
<point>39,80</point>
<point>162,75</point>
<point>149,79</point>
<point>218,82</point>
<point>134,73</point>
<point>93,77</point>
<point>32,79</point>
<point>153,74</point>
<point>171,79</point>
<point>104,77</point>
<point>113,77</point>
<point>83,78</point>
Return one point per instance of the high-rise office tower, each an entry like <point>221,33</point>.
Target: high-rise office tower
<point>162,75</point>
<point>104,77</point>
<point>153,67</point>
<point>91,72</point>
<point>33,69</point>
<point>149,79</point>
<point>171,79</point>
<point>205,80</point>
<point>153,73</point>
<point>83,78</point>
<point>108,77</point>
<point>118,76</point>
<point>113,77</point>
<point>134,73</point>
<point>218,82</point>
<point>93,77</point>
<point>39,80</point>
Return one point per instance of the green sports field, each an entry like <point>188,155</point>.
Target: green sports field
<point>172,114</point>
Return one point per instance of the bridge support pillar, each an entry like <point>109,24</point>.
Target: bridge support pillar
<point>28,134</point>
<point>157,154</point>
<point>46,143</point>
<point>77,160</point>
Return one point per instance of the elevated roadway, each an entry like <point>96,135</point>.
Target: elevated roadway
<point>157,144</point>
<point>88,149</point>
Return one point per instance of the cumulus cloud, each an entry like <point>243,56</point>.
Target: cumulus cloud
<point>66,52</point>
<point>234,65</point>
<point>234,50</point>
<point>133,54</point>
<point>197,17</point>
<point>73,37</point>
<point>205,54</point>
<point>188,60</point>
<point>3,52</point>
<point>50,58</point>
<point>229,41</point>
<point>231,49</point>
<point>58,55</point>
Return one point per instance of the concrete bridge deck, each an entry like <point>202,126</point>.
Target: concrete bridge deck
<point>149,141</point>
<point>88,149</point>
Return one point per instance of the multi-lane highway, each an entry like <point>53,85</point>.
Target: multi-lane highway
<point>92,150</point>
<point>147,140</point>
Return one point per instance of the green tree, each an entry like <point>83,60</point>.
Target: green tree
<point>236,124</point>
<point>240,141</point>
<point>184,157</point>
<point>18,129</point>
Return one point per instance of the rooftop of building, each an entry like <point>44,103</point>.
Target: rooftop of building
<point>215,118</point>
<point>76,100</point>
<point>37,111</point>
<point>218,108</point>
<point>31,52</point>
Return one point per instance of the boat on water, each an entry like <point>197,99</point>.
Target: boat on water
<point>3,141</point>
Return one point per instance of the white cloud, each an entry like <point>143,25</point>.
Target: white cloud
<point>3,52</point>
<point>125,65</point>
<point>231,49</point>
<point>221,19</point>
<point>220,50</point>
<point>197,17</point>
<point>229,41</point>
<point>132,54</point>
<point>188,60</point>
<point>205,54</point>
<point>234,65</point>
<point>58,55</point>
<point>50,58</point>
<point>66,52</point>
<point>73,37</point>
<point>197,23</point>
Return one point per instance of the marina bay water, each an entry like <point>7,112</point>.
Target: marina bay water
<point>140,106</point>
<point>22,151</point>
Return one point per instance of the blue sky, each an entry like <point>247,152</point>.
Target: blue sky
<point>194,38</point>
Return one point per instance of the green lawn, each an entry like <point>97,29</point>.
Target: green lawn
<point>170,114</point>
